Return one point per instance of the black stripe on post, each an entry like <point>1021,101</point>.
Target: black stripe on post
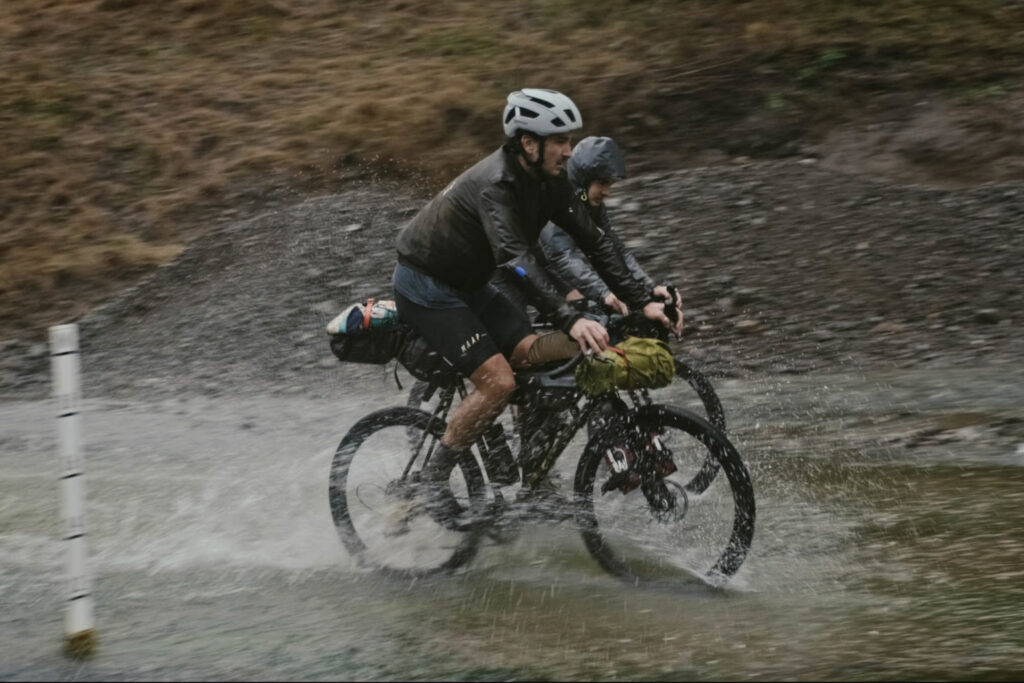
<point>62,353</point>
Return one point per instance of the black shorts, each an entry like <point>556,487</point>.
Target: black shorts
<point>466,336</point>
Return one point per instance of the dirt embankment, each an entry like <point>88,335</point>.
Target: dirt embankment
<point>786,267</point>
<point>131,128</point>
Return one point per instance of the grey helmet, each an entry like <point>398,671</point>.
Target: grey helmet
<point>541,112</point>
<point>595,158</point>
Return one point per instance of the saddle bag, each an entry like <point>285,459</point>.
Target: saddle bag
<point>636,363</point>
<point>367,332</point>
<point>370,332</point>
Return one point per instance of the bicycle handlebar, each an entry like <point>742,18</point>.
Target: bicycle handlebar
<point>671,312</point>
<point>613,322</point>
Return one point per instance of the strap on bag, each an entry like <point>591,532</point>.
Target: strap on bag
<point>625,359</point>
<point>366,313</point>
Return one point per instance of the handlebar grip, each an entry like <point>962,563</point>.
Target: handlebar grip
<point>671,312</point>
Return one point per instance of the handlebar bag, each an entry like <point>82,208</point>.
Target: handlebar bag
<point>636,363</point>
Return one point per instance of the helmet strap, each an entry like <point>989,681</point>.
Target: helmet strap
<point>534,165</point>
<point>540,154</point>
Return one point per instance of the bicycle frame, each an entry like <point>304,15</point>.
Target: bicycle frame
<point>557,428</point>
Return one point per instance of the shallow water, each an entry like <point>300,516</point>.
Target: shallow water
<point>889,544</point>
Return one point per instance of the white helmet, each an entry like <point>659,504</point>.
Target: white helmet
<point>541,112</point>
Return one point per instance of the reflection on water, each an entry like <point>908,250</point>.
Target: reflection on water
<point>889,545</point>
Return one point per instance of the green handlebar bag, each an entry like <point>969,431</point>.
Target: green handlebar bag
<point>636,363</point>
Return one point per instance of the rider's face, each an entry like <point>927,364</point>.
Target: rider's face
<point>557,151</point>
<point>599,191</point>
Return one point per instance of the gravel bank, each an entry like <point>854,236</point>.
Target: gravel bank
<point>785,267</point>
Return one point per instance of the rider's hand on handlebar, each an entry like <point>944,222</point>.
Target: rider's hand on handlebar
<point>655,310</point>
<point>668,293</point>
<point>673,306</point>
<point>590,335</point>
<point>616,304</point>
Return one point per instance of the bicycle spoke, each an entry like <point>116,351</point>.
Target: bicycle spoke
<point>381,514</point>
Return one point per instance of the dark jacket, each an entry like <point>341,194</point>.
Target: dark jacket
<point>594,158</point>
<point>570,265</point>
<point>491,216</point>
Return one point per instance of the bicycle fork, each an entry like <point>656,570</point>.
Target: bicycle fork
<point>636,458</point>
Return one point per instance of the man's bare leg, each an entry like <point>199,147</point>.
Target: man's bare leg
<point>494,383</point>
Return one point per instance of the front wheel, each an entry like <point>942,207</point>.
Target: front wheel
<point>660,527</point>
<point>378,507</point>
<point>716,415</point>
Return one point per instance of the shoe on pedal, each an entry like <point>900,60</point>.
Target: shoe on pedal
<point>435,492</point>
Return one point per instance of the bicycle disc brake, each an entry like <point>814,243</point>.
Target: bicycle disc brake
<point>668,500</point>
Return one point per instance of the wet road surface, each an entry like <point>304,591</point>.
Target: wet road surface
<point>889,544</point>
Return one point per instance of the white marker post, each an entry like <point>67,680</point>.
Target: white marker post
<point>79,637</point>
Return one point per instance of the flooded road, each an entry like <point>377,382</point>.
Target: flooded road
<point>890,544</point>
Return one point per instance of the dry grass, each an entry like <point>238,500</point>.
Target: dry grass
<point>128,125</point>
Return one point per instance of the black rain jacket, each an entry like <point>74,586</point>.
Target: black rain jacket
<point>491,216</point>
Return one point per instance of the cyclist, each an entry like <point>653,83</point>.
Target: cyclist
<point>595,166</point>
<point>489,218</point>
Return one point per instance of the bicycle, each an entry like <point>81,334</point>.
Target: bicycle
<point>423,392</point>
<point>644,465</point>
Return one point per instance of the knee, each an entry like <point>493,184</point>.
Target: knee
<point>501,385</point>
<point>495,380</point>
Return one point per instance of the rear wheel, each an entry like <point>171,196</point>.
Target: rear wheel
<point>379,507</point>
<point>665,529</point>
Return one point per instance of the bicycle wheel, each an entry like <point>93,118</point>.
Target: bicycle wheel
<point>716,416</point>
<point>378,508</point>
<point>705,392</point>
<point>665,531</point>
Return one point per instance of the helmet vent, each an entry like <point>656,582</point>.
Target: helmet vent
<point>543,103</point>
<point>511,113</point>
<point>528,113</point>
<point>557,121</point>
<point>568,113</point>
